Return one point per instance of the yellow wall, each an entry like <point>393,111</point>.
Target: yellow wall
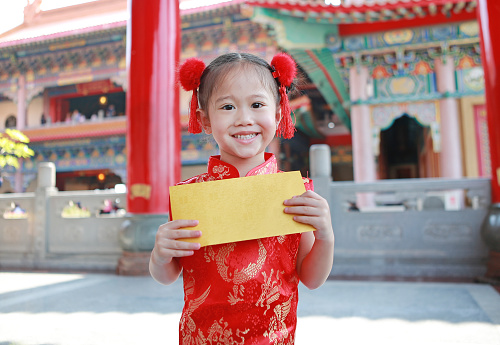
<point>34,112</point>
<point>7,108</point>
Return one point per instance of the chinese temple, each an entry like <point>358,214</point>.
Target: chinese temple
<point>395,88</point>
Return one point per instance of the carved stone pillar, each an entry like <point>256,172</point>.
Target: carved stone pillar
<point>46,187</point>
<point>451,152</point>
<point>362,151</point>
<point>21,103</point>
<point>363,159</point>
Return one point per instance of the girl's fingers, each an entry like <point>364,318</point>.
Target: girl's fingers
<point>308,198</point>
<point>176,234</point>
<point>179,223</point>
<point>306,220</point>
<point>179,245</point>
<point>303,210</point>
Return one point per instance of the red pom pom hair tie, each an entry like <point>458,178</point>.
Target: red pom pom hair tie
<point>285,71</point>
<point>189,76</point>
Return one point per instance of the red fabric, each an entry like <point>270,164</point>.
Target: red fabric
<point>285,71</point>
<point>285,68</point>
<point>286,127</point>
<point>189,76</point>
<point>243,292</point>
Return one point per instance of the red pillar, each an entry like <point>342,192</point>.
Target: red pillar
<point>488,14</point>
<point>153,133</point>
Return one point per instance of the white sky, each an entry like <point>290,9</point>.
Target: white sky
<point>11,11</point>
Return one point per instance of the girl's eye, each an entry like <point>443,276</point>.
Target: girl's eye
<point>227,107</point>
<point>257,105</point>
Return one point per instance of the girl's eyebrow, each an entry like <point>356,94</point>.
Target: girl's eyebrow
<point>261,94</point>
<point>229,97</point>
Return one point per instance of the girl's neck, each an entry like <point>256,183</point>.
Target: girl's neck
<point>244,165</point>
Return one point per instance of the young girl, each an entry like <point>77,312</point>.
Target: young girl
<point>243,292</point>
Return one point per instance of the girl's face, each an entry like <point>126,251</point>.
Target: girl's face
<point>242,116</point>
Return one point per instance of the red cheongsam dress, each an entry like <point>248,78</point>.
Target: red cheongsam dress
<point>241,292</point>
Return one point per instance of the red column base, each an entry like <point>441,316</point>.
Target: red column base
<point>133,264</point>
<point>493,268</point>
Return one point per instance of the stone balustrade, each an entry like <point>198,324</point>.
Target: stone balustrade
<point>60,230</point>
<point>415,228</point>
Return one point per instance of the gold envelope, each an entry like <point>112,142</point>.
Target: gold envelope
<point>239,209</point>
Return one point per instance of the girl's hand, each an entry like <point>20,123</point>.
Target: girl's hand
<point>310,208</point>
<point>167,244</point>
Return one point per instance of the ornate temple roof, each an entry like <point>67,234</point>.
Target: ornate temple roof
<point>355,11</point>
<point>53,25</point>
<point>102,15</point>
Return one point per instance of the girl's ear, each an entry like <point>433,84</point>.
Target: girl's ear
<point>278,117</point>
<point>204,120</point>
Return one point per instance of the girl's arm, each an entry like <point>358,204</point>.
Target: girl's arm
<point>315,255</point>
<point>163,264</point>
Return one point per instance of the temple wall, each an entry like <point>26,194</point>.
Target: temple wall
<point>7,108</point>
<point>470,140</point>
<point>34,112</point>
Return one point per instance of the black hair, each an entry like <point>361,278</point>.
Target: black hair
<point>220,67</point>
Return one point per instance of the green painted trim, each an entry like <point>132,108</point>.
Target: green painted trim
<point>292,32</point>
<point>428,97</point>
<point>305,123</point>
<point>319,79</point>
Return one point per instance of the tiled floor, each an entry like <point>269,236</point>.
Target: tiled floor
<point>88,309</point>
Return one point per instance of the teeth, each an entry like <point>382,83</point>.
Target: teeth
<point>245,137</point>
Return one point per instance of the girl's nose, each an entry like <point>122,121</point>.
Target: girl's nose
<point>244,117</point>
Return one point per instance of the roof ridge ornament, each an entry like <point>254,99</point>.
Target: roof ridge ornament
<point>31,10</point>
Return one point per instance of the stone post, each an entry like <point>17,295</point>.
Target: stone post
<point>320,159</point>
<point>46,187</point>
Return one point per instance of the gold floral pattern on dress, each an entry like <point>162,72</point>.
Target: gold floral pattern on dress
<point>205,178</point>
<point>220,171</point>
<point>188,326</point>
<point>189,283</point>
<point>219,333</point>
<point>278,331</point>
<point>267,168</point>
<point>270,290</point>
<point>237,294</point>
<point>238,276</point>
<point>209,253</point>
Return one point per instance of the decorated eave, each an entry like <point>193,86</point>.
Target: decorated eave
<point>217,8</point>
<point>42,33</point>
<point>369,11</point>
<point>217,14</point>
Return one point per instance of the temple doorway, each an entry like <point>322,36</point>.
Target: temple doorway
<point>401,146</point>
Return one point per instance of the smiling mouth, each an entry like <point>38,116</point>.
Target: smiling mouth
<point>246,136</point>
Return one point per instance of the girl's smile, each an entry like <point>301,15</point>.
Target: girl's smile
<point>245,136</point>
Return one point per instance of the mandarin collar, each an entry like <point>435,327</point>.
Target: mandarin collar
<point>221,170</point>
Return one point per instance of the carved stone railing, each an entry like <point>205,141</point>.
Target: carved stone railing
<point>15,232</point>
<point>414,227</point>
<point>96,233</point>
<point>50,234</point>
